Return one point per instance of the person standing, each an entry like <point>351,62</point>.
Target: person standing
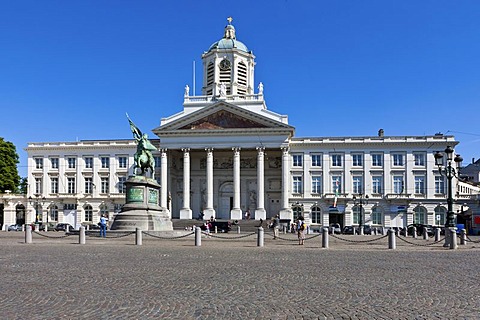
<point>103,226</point>
<point>301,227</point>
<point>276,226</point>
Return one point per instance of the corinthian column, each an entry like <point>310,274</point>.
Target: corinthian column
<point>286,212</point>
<point>209,211</point>
<point>236,212</point>
<point>260,212</point>
<point>186,212</point>
<point>163,179</point>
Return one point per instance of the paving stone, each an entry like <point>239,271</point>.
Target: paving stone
<point>232,278</point>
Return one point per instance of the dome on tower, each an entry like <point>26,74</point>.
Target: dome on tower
<point>229,40</point>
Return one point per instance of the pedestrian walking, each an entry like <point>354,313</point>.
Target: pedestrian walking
<point>276,226</point>
<point>103,226</point>
<point>301,227</point>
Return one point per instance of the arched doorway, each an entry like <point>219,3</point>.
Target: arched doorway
<point>20,214</point>
<point>225,200</point>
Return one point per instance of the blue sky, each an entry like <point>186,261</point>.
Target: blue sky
<point>71,69</point>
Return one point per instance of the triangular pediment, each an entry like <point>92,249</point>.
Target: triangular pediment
<point>222,119</point>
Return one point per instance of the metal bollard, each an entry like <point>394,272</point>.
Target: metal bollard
<point>81,235</point>
<point>414,234</point>
<point>463,237</point>
<point>374,231</point>
<point>437,234</point>
<point>46,227</point>
<point>67,229</point>
<point>284,229</point>
<point>216,229</point>
<point>238,229</point>
<point>260,237</point>
<point>391,240</point>
<point>138,237</point>
<point>325,238</point>
<point>28,234</point>
<point>88,227</point>
<point>198,237</point>
<point>453,239</point>
<point>360,231</point>
<point>425,233</point>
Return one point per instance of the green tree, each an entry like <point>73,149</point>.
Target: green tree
<point>9,178</point>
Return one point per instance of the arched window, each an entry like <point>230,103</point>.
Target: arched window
<point>297,212</point>
<point>316,215</point>
<point>377,215</point>
<point>104,210</point>
<point>54,213</point>
<point>20,214</point>
<point>88,213</point>
<point>356,214</point>
<point>419,215</point>
<point>440,216</point>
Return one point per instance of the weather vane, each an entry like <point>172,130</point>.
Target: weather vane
<point>229,19</point>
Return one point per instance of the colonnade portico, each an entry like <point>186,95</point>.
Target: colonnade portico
<point>241,197</point>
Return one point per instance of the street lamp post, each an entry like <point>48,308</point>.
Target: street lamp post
<point>449,172</point>
<point>35,202</point>
<point>360,202</point>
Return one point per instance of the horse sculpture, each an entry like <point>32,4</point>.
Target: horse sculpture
<point>143,157</point>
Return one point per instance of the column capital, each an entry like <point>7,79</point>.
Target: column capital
<point>186,150</point>
<point>285,149</point>
<point>209,149</point>
<point>163,150</point>
<point>236,149</point>
<point>260,149</point>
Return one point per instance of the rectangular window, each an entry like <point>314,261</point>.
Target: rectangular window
<point>89,162</point>
<point>397,184</point>
<point>105,185</point>
<point>357,184</point>
<point>38,186</point>
<point>54,185</point>
<point>377,185</point>
<point>54,163</point>
<point>336,160</point>
<point>297,160</point>
<point>122,162</point>
<point>71,162</point>
<point>419,159</point>
<point>377,159</point>
<point>122,188</point>
<point>38,163</point>
<point>105,162</point>
<point>88,185</point>
<point>357,160</point>
<point>439,185</point>
<point>420,184</point>
<point>316,160</point>
<point>158,161</point>
<point>297,184</point>
<point>398,160</point>
<point>316,184</point>
<point>337,184</point>
<point>71,185</point>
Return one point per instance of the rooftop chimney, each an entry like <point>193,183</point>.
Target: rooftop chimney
<point>380,133</point>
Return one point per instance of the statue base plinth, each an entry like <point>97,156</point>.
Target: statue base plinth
<point>141,209</point>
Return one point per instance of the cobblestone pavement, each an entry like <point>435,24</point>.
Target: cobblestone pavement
<point>235,279</point>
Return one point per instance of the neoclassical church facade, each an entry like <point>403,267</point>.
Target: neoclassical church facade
<point>226,153</point>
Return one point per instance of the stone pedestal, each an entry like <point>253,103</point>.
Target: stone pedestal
<point>141,209</point>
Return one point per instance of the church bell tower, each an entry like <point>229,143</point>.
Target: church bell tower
<point>228,66</point>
